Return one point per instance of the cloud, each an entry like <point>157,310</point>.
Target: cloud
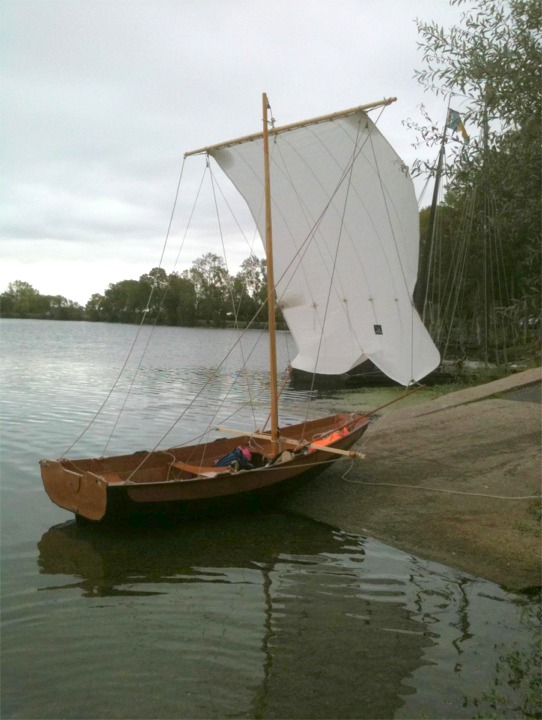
<point>101,99</point>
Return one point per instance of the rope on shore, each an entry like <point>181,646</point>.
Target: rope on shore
<point>442,490</point>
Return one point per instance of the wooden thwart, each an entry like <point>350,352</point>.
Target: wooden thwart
<point>197,469</point>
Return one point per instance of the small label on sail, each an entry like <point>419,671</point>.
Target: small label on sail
<point>378,329</point>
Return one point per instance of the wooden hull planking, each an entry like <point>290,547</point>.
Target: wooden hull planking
<point>111,488</point>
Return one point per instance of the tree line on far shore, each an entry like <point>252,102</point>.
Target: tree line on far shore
<point>206,294</point>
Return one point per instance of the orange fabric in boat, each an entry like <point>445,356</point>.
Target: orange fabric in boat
<point>331,438</point>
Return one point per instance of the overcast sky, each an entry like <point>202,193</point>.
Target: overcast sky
<point>101,99</point>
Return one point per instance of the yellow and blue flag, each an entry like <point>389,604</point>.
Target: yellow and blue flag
<point>456,124</point>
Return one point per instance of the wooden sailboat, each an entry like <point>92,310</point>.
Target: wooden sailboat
<point>341,232</point>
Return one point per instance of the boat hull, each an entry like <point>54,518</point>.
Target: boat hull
<point>122,506</point>
<point>116,488</point>
<point>368,375</point>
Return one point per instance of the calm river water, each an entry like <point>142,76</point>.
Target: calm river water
<point>261,616</point>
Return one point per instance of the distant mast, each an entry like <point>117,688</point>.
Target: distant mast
<point>270,280</point>
<point>421,291</point>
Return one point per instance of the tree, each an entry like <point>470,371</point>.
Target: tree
<point>60,308</point>
<point>179,304</point>
<point>21,299</point>
<point>153,286</point>
<point>249,290</point>
<point>93,308</point>
<point>492,59</point>
<point>124,301</point>
<point>211,284</point>
<point>491,62</point>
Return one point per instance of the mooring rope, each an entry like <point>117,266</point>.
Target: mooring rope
<point>433,489</point>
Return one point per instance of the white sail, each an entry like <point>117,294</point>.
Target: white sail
<point>345,244</point>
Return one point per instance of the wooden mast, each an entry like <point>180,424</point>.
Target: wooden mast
<point>270,282</point>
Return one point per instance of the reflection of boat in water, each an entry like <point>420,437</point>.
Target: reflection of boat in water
<point>292,596</point>
<point>105,561</point>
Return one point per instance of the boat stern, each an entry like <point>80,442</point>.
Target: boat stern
<point>82,493</point>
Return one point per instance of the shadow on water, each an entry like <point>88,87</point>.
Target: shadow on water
<point>320,633</point>
<point>160,550</point>
<point>258,616</point>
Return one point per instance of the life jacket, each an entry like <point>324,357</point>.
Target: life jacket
<point>331,438</point>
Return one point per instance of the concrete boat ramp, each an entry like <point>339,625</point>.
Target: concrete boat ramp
<point>456,480</point>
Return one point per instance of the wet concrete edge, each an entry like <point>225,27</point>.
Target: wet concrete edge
<point>435,478</point>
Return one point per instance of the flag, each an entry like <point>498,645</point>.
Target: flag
<point>456,124</point>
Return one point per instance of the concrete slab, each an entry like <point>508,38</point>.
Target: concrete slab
<point>456,480</point>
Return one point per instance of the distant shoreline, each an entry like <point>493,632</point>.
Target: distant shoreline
<point>228,324</point>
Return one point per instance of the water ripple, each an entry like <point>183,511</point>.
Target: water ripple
<point>256,616</point>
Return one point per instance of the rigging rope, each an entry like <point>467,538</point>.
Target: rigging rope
<point>346,175</point>
<point>235,307</point>
<point>123,368</point>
